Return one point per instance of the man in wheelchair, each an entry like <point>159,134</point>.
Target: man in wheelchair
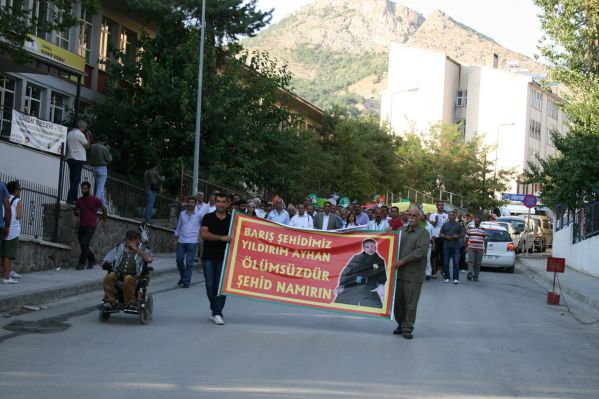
<point>127,263</point>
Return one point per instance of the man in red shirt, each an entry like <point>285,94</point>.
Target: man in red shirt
<point>395,222</point>
<point>86,208</point>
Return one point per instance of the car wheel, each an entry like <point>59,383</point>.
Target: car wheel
<point>509,269</point>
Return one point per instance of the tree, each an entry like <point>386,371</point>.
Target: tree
<point>571,45</point>
<point>17,23</point>
<point>443,161</point>
<point>249,138</point>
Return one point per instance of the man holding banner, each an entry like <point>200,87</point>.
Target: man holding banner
<point>411,272</point>
<point>215,233</point>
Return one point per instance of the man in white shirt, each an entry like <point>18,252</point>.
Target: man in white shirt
<point>187,235</point>
<point>437,220</point>
<point>201,207</point>
<point>78,141</point>
<point>302,219</point>
<point>279,214</point>
<point>379,223</point>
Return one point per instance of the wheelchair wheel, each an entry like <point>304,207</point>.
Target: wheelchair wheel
<point>145,311</point>
<point>104,316</point>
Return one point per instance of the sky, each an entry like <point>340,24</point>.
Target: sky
<point>512,23</point>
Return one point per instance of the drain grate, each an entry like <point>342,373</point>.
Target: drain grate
<point>38,326</point>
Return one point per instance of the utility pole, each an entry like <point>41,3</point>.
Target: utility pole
<point>196,153</point>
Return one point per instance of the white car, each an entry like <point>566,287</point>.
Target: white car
<point>500,248</point>
<point>510,229</point>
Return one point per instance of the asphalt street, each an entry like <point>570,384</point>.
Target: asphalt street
<point>492,339</point>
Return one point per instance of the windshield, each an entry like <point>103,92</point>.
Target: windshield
<point>498,236</point>
<point>518,224</point>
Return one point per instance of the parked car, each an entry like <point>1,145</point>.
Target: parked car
<point>526,235</point>
<point>540,239</point>
<point>500,249</point>
<point>547,227</point>
<point>510,228</point>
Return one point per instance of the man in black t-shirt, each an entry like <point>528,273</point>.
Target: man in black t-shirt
<point>215,233</point>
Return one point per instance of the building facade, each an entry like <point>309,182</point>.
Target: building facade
<point>47,87</point>
<point>509,109</point>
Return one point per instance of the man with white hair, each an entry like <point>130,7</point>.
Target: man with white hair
<point>411,265</point>
<point>259,211</point>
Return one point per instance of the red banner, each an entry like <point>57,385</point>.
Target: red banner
<point>347,272</point>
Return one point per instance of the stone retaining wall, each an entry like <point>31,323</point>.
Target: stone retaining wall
<point>36,255</point>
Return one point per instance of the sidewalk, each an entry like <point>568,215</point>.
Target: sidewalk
<point>38,287</point>
<point>576,286</point>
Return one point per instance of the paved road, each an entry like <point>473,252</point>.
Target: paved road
<point>494,339</point>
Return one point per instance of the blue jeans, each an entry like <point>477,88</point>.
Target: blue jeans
<point>75,168</point>
<point>150,198</point>
<point>212,271</point>
<point>185,255</point>
<point>454,254</point>
<point>100,174</point>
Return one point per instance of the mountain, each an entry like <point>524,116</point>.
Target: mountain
<point>338,50</point>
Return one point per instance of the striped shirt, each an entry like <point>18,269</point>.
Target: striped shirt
<point>476,239</point>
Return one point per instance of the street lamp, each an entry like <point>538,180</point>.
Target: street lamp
<point>497,147</point>
<point>413,89</point>
<point>196,153</point>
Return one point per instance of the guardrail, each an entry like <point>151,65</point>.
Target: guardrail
<point>586,223</point>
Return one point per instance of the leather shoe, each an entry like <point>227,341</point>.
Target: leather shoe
<point>408,336</point>
<point>397,331</point>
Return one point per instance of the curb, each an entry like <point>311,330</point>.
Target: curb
<point>571,293</point>
<point>29,298</point>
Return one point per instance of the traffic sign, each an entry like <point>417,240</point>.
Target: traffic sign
<point>529,201</point>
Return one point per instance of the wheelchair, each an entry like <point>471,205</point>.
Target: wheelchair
<point>144,302</point>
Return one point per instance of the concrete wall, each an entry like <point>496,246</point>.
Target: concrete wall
<point>581,256</point>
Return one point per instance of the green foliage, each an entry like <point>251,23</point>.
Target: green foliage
<point>357,157</point>
<point>336,71</point>
<point>571,45</point>
<point>442,160</point>
<point>16,24</point>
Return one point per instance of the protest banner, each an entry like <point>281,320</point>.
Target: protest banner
<point>342,271</point>
<point>34,132</point>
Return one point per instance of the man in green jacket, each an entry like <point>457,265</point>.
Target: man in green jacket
<point>411,271</point>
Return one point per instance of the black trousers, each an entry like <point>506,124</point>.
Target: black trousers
<point>75,168</point>
<point>437,256</point>
<point>85,235</point>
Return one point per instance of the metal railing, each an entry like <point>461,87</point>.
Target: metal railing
<point>563,217</point>
<point>40,219</point>
<point>128,200</point>
<point>586,223</point>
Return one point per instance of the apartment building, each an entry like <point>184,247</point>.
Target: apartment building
<point>66,65</point>
<point>509,109</point>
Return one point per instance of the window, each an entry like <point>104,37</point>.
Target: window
<point>7,102</point>
<point>552,109</point>
<point>85,36</point>
<point>549,138</point>
<point>108,33</point>
<point>128,44</point>
<point>61,39</point>
<point>84,108</point>
<point>536,99</point>
<point>532,156</point>
<point>57,108</point>
<point>462,125</point>
<point>535,129</point>
<point>495,61</point>
<point>39,14</point>
<point>33,100</point>
<point>462,98</point>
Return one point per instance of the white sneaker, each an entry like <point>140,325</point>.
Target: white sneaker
<point>455,281</point>
<point>218,320</point>
<point>9,281</point>
<point>14,274</point>
<point>447,280</point>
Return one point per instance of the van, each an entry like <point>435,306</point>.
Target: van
<point>547,227</point>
